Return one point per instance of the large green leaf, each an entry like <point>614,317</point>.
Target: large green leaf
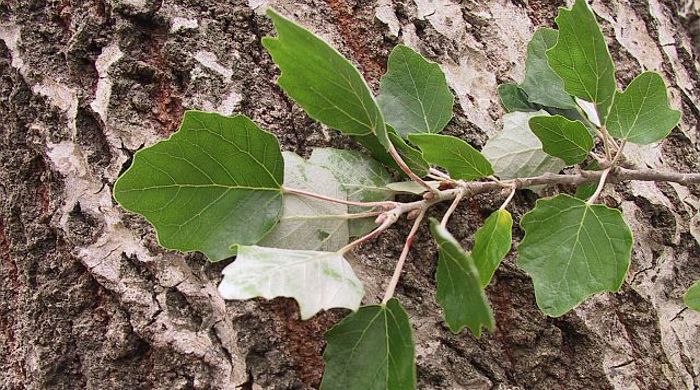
<point>560,137</point>
<point>371,349</point>
<point>316,280</point>
<point>362,179</point>
<point>323,82</point>
<point>492,243</point>
<point>308,223</point>
<point>214,184</point>
<point>581,58</point>
<point>692,296</point>
<point>413,95</point>
<point>542,85</point>
<point>513,98</point>
<point>460,159</point>
<point>642,114</point>
<point>516,152</point>
<point>459,289</point>
<point>573,250</point>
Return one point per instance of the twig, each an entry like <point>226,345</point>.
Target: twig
<point>452,208</point>
<point>308,194</point>
<point>402,258</point>
<point>601,184</point>
<point>389,219</point>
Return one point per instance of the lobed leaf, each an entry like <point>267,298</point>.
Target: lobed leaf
<point>459,289</point>
<point>542,85</point>
<point>414,96</point>
<point>581,58</point>
<point>308,223</point>
<point>323,82</point>
<point>214,184</point>
<point>371,349</point>
<point>692,297</point>
<point>316,280</point>
<point>560,137</point>
<point>460,159</point>
<point>642,114</point>
<point>361,178</point>
<point>516,152</point>
<point>492,243</point>
<point>573,250</point>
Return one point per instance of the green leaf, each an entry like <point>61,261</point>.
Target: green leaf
<point>410,155</point>
<point>214,184</point>
<point>516,152</point>
<point>459,290</point>
<point>560,137</point>
<point>411,187</point>
<point>692,296</point>
<point>492,243</point>
<point>362,179</point>
<point>460,159</point>
<point>316,280</point>
<point>308,223</point>
<point>581,58</point>
<point>542,85</point>
<point>371,349</point>
<point>642,114</point>
<point>413,95</point>
<point>513,98</point>
<point>323,82</point>
<point>573,250</point>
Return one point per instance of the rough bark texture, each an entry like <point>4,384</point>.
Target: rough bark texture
<point>88,299</point>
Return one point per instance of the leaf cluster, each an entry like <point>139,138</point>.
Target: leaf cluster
<point>222,186</point>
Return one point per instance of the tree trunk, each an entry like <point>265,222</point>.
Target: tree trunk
<point>89,300</point>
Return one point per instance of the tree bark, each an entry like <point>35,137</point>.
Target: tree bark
<point>89,300</point>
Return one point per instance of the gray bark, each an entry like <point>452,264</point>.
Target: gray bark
<point>89,300</point>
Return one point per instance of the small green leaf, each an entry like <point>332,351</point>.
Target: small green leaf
<point>492,243</point>
<point>516,152</point>
<point>542,85</point>
<point>411,187</point>
<point>573,250</point>
<point>560,137</point>
<point>316,280</point>
<point>323,82</point>
<point>307,223</point>
<point>513,98</point>
<point>214,184</point>
<point>413,95</point>
<point>642,114</point>
<point>410,155</point>
<point>692,296</point>
<point>460,159</point>
<point>459,290</point>
<point>581,58</point>
<point>362,179</point>
<point>371,349</point>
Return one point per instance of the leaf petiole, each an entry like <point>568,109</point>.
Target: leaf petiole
<point>601,184</point>
<point>405,168</point>
<point>387,205</point>
<point>402,258</point>
<point>509,198</point>
<point>452,208</point>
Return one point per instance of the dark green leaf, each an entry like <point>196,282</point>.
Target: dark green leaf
<point>692,296</point>
<point>642,114</point>
<point>581,58</point>
<point>573,250</point>
<point>492,243</point>
<point>316,280</point>
<point>459,289</point>
<point>371,349</point>
<point>214,184</point>
<point>542,85</point>
<point>323,82</point>
<point>460,159</point>
<point>410,155</point>
<point>513,98</point>
<point>560,137</point>
<point>414,96</point>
